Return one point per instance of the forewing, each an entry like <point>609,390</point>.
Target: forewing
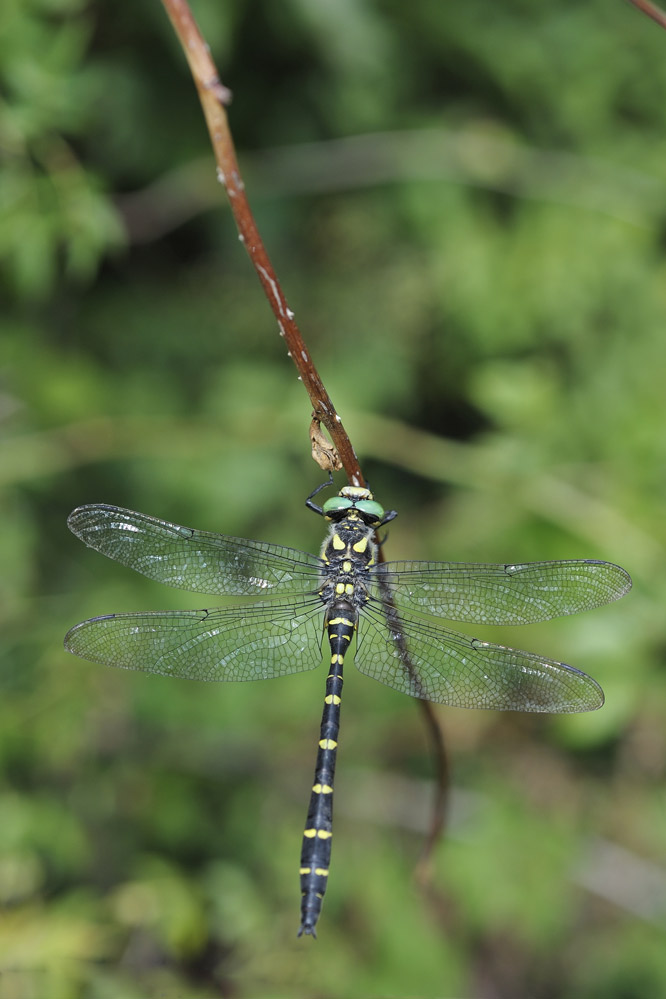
<point>193,560</point>
<point>242,643</point>
<point>438,665</point>
<point>481,593</point>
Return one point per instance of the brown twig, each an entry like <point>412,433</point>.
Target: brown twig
<point>213,96</point>
<point>651,10</point>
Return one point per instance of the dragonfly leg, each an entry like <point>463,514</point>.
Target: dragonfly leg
<point>324,485</point>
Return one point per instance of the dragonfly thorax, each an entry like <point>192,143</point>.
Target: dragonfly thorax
<point>347,553</point>
<point>350,541</point>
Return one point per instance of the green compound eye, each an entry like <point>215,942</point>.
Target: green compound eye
<point>335,504</point>
<point>370,507</point>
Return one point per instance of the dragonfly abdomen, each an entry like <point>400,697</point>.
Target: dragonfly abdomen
<point>317,837</point>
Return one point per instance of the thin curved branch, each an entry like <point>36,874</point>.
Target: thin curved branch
<point>651,10</point>
<point>214,96</point>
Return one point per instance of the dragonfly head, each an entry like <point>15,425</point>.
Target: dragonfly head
<point>354,500</point>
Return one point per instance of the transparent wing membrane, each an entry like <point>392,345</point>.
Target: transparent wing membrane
<point>439,665</point>
<point>504,594</point>
<point>240,643</point>
<point>194,560</point>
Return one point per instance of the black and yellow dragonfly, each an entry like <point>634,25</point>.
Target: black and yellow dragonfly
<point>346,591</point>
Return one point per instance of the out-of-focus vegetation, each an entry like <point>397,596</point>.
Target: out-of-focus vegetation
<point>466,204</point>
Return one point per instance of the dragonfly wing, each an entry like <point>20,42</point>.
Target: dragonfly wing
<point>193,560</point>
<point>503,594</point>
<point>241,643</point>
<point>438,665</point>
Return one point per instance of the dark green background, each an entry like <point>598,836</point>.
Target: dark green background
<point>466,205</point>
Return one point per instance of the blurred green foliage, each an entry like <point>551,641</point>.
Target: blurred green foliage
<point>466,205</point>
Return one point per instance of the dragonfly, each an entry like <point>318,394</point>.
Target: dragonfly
<point>383,615</point>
